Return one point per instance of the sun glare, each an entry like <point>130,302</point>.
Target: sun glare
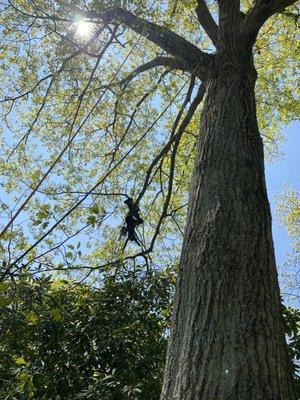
<point>84,28</point>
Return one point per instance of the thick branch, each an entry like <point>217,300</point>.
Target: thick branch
<point>207,22</point>
<point>175,45</point>
<point>169,41</point>
<point>262,10</point>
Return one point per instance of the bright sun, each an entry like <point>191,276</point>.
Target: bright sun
<point>84,28</point>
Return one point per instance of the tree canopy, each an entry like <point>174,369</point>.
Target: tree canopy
<point>92,114</point>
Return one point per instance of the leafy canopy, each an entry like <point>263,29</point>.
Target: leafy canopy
<point>90,118</point>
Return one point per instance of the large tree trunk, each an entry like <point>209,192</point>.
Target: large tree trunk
<point>227,339</point>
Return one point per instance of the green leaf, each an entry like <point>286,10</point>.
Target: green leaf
<point>91,219</point>
<point>20,360</point>
<point>32,318</point>
<point>56,314</point>
<point>94,209</point>
<point>5,301</point>
<point>4,286</point>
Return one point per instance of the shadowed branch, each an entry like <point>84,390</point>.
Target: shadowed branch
<point>259,14</point>
<point>207,22</point>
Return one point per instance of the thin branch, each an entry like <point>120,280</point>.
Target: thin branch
<point>32,125</point>
<point>197,100</point>
<point>169,193</point>
<point>57,72</point>
<point>176,140</point>
<point>81,193</point>
<point>52,17</point>
<point>207,22</point>
<point>25,94</point>
<point>132,117</point>
<point>26,201</point>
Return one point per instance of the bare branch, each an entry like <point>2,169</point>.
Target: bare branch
<point>259,14</point>
<point>207,22</point>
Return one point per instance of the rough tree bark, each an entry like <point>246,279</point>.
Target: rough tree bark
<point>227,339</point>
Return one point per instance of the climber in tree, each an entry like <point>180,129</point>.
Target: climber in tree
<point>132,220</point>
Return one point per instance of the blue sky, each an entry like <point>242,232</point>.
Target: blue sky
<point>285,171</point>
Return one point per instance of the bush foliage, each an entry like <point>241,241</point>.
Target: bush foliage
<point>61,340</point>
<point>64,340</point>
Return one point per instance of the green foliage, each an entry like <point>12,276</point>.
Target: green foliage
<point>292,329</point>
<point>51,88</point>
<point>61,340</point>
<point>288,213</point>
